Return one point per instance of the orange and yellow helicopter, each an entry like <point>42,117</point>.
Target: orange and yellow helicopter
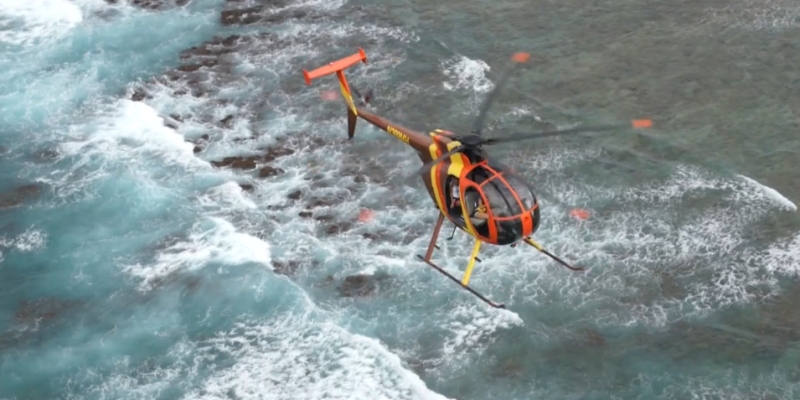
<point>479,195</point>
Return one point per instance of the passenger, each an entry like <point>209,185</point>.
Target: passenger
<point>455,204</point>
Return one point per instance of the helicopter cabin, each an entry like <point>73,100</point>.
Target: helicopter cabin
<point>501,206</point>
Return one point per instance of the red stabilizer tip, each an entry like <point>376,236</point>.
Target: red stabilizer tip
<point>642,123</point>
<point>307,77</point>
<point>363,55</point>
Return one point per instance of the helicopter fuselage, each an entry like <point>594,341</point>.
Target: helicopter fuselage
<point>510,207</point>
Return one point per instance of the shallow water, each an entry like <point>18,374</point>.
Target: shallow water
<point>141,270</point>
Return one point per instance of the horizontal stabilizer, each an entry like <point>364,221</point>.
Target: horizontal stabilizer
<point>335,66</point>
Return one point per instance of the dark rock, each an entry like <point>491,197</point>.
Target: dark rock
<point>3,149</point>
<point>180,92</point>
<point>268,171</point>
<point>327,202</point>
<point>18,196</point>
<point>151,4</point>
<point>374,235</point>
<point>246,187</point>
<point>227,122</point>
<point>284,16</point>
<point>200,143</point>
<point>44,309</point>
<point>244,163</point>
<point>42,155</point>
<point>195,67</point>
<point>242,16</point>
<point>139,94</point>
<point>324,218</point>
<point>214,47</point>
<point>338,228</point>
<point>594,338</point>
<point>361,285</point>
<point>305,214</point>
<point>170,125</point>
<point>276,152</point>
<point>181,2</point>
<point>167,242</point>
<point>177,117</point>
<point>295,195</point>
<point>285,268</point>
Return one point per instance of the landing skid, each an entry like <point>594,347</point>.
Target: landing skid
<point>464,282</point>
<point>454,279</point>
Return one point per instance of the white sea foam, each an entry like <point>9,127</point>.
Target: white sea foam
<point>294,358</point>
<point>211,241</point>
<point>756,14</point>
<point>30,240</point>
<point>133,132</point>
<point>467,74</point>
<point>24,22</point>
<point>772,194</point>
<point>228,195</point>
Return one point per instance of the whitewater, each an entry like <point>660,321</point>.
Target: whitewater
<point>137,263</point>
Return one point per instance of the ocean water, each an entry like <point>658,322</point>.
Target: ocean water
<point>136,268</point>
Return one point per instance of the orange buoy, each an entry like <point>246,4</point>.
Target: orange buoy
<point>521,57</point>
<point>579,213</point>
<point>366,215</point>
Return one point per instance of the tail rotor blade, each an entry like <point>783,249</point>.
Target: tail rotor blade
<point>477,126</point>
<point>635,124</point>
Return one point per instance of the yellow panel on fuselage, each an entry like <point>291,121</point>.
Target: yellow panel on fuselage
<point>454,169</point>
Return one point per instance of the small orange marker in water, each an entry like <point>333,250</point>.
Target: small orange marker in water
<point>521,57</point>
<point>579,213</point>
<point>366,215</point>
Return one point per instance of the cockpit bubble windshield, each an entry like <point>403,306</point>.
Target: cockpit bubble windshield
<point>501,199</point>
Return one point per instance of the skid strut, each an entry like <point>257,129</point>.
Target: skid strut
<point>464,282</point>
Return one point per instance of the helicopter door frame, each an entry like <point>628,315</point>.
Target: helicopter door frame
<point>481,227</point>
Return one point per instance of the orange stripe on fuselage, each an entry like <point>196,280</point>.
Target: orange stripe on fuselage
<point>435,181</point>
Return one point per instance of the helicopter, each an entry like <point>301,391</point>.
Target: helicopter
<point>479,195</point>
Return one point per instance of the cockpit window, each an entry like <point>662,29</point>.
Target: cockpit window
<point>501,199</point>
<point>523,190</point>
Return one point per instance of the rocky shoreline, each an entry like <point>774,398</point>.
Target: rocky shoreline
<point>210,65</point>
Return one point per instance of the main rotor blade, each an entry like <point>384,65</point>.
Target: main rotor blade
<point>430,164</point>
<point>635,124</point>
<point>477,126</point>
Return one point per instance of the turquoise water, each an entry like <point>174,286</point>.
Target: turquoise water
<point>140,270</point>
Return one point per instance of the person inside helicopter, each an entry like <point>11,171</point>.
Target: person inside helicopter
<point>480,211</point>
<point>455,204</point>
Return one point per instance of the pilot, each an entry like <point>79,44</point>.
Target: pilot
<point>480,211</point>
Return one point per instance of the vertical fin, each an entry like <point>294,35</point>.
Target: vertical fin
<point>352,118</point>
<point>338,68</point>
<point>345,88</point>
